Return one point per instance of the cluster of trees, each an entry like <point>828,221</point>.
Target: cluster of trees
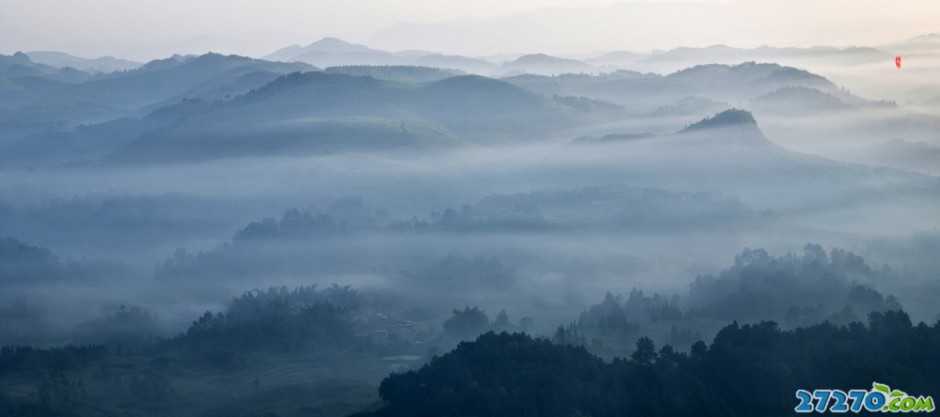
<point>725,118</point>
<point>255,251</point>
<point>747,370</point>
<point>467,323</point>
<point>275,318</point>
<point>797,290</point>
<point>294,224</point>
<point>614,316</point>
<point>608,318</point>
<point>259,248</point>
<point>472,321</point>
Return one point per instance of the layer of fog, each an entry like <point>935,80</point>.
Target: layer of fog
<point>789,199</point>
<point>670,206</point>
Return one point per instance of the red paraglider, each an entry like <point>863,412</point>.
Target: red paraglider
<point>897,62</point>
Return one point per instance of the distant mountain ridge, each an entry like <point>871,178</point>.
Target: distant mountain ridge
<point>149,86</point>
<point>216,106</point>
<point>103,64</point>
<point>21,66</point>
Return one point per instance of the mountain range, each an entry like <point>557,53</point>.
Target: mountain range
<point>210,106</point>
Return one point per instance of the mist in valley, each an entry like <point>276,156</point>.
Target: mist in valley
<point>219,226</point>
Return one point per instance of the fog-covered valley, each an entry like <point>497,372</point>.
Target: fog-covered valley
<point>335,206</point>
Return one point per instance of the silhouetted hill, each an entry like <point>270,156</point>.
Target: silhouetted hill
<point>330,52</point>
<point>727,118</point>
<point>546,65</point>
<point>729,152</point>
<point>720,134</point>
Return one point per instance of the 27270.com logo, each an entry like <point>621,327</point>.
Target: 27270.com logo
<point>880,398</point>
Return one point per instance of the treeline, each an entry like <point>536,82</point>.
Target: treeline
<point>609,207</point>
<point>301,241</point>
<point>293,225</point>
<point>283,245</point>
<point>747,370</point>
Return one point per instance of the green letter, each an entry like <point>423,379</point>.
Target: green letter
<point>924,404</point>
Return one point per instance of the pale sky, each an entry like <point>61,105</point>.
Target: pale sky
<point>143,30</point>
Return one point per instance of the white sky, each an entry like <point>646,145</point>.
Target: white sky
<point>147,29</point>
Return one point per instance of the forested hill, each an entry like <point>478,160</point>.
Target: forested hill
<point>748,370</point>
